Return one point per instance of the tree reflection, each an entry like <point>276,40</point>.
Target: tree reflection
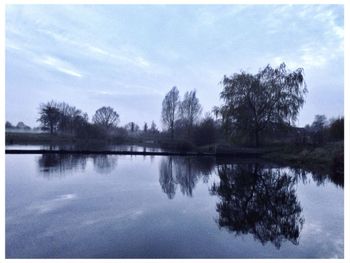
<point>185,172</point>
<point>59,164</point>
<point>166,177</point>
<point>104,163</point>
<point>259,201</point>
<point>320,175</point>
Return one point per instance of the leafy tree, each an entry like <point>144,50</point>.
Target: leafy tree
<point>169,109</point>
<point>49,116</point>
<point>190,110</point>
<point>106,117</point>
<point>253,102</point>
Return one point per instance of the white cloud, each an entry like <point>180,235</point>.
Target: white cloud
<point>59,65</point>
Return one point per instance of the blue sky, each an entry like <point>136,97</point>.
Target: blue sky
<point>129,56</point>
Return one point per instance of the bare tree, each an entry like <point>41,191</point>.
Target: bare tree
<point>106,117</point>
<point>169,109</point>
<point>49,116</point>
<point>190,110</point>
<point>132,127</point>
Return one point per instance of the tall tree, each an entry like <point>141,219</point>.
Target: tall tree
<point>253,102</point>
<point>70,118</point>
<point>145,127</point>
<point>153,127</point>
<point>49,116</point>
<point>190,110</point>
<point>106,117</point>
<point>169,109</point>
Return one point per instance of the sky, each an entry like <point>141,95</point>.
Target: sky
<point>129,56</point>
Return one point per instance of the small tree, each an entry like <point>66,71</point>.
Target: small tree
<point>169,109</point>
<point>153,128</point>
<point>318,129</point>
<point>132,127</point>
<point>145,127</point>
<point>106,117</point>
<point>8,125</point>
<point>49,116</point>
<point>253,102</point>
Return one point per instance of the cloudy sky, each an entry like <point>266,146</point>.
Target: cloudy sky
<point>129,56</point>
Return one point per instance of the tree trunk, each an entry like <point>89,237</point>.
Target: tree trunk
<point>172,130</point>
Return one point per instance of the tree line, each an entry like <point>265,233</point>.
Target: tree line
<point>62,118</point>
<point>257,109</point>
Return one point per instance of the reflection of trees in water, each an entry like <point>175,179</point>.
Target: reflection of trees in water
<point>104,163</point>
<point>167,178</point>
<point>260,201</point>
<point>59,163</point>
<point>51,164</point>
<point>320,175</point>
<point>185,172</point>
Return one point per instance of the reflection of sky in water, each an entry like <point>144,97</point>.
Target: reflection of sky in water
<point>135,206</point>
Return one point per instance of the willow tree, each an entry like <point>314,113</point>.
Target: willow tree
<point>252,103</point>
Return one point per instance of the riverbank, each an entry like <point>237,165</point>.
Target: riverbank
<point>329,155</point>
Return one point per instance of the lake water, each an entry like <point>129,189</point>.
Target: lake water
<point>107,206</point>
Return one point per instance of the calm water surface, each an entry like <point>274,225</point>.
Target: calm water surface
<point>73,206</point>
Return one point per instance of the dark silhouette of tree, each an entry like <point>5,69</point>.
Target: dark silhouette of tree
<point>185,172</point>
<point>71,118</point>
<point>336,129</point>
<point>49,116</point>
<point>8,125</point>
<point>145,127</point>
<point>154,127</point>
<point>253,102</point>
<point>60,163</point>
<point>169,109</point>
<point>106,117</point>
<point>318,129</point>
<point>104,164</point>
<point>166,177</point>
<point>21,126</point>
<point>132,127</point>
<point>190,110</point>
<point>258,201</point>
<point>205,132</point>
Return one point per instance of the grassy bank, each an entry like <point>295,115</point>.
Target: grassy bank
<point>27,138</point>
<point>328,157</point>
